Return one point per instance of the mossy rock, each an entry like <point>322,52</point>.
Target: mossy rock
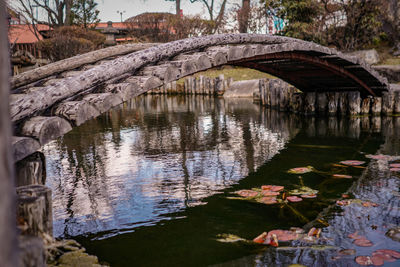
<point>78,259</point>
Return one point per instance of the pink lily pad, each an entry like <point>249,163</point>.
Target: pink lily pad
<point>380,156</point>
<point>309,196</point>
<point>389,252</point>
<point>300,170</point>
<point>269,193</point>
<point>343,202</point>
<point>363,242</point>
<point>355,235</point>
<point>268,200</point>
<point>364,260</point>
<point>342,176</point>
<point>261,238</point>
<point>369,204</point>
<point>247,193</point>
<point>284,235</point>
<point>294,199</point>
<point>352,162</point>
<point>394,169</point>
<point>275,188</point>
<point>377,260</point>
<point>395,165</point>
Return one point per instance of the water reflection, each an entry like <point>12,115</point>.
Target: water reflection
<point>155,156</point>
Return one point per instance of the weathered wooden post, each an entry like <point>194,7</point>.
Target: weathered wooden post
<point>31,170</point>
<point>273,87</point>
<point>354,102</point>
<point>8,251</point>
<point>219,85</point>
<point>267,93</point>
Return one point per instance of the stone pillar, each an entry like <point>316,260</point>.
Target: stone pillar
<point>261,91</point>
<point>376,106</point>
<point>396,108</point>
<point>365,105</point>
<point>343,103</point>
<point>387,103</point>
<point>333,102</point>
<point>309,103</point>
<point>110,33</point>
<point>267,93</point>
<point>322,103</point>
<point>296,104</point>
<point>354,102</point>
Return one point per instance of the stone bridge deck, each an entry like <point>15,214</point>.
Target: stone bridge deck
<point>47,102</point>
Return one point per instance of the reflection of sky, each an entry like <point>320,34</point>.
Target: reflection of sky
<point>101,186</point>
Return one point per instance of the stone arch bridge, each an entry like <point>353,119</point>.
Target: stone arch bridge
<point>48,101</point>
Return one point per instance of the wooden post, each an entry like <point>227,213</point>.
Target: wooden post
<point>297,103</point>
<point>376,106</point>
<point>354,102</point>
<point>8,251</point>
<point>219,85</point>
<point>274,93</point>
<point>31,170</point>
<point>267,93</point>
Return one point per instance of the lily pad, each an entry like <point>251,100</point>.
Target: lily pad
<point>309,196</point>
<point>352,162</point>
<point>363,242</point>
<point>342,176</point>
<point>394,169</point>
<point>261,238</point>
<point>364,260</point>
<point>395,165</point>
<point>269,193</point>
<point>294,199</point>
<point>274,188</point>
<point>301,170</point>
<point>247,193</point>
<point>284,235</point>
<point>339,165</point>
<point>268,200</point>
<point>343,202</point>
<point>355,235</point>
<point>303,190</point>
<point>229,238</point>
<point>369,204</point>
<point>379,157</point>
<point>388,252</point>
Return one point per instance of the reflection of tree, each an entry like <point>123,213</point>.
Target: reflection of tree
<point>179,150</point>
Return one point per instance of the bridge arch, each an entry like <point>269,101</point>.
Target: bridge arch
<point>46,104</point>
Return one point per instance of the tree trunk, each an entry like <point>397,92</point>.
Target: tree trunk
<point>244,16</point>
<point>8,251</point>
<point>68,19</point>
<point>178,8</point>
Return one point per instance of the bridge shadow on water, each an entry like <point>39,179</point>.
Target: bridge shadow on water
<point>147,183</point>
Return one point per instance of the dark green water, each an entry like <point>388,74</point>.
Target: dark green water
<point>146,184</point>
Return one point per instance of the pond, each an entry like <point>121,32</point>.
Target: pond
<point>151,182</point>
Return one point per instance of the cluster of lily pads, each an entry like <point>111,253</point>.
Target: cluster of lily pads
<point>275,194</point>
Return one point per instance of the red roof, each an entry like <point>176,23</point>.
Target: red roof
<point>117,25</point>
<point>24,33</point>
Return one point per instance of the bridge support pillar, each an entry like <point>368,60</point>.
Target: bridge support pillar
<point>376,106</point>
<point>365,106</point>
<point>354,102</point>
<point>387,103</point>
<point>309,103</point>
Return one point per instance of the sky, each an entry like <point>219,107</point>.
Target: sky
<point>108,8</point>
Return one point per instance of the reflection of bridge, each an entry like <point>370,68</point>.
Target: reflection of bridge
<point>48,101</point>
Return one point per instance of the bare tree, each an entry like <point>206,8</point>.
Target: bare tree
<point>8,251</point>
<point>57,12</point>
<point>243,16</point>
